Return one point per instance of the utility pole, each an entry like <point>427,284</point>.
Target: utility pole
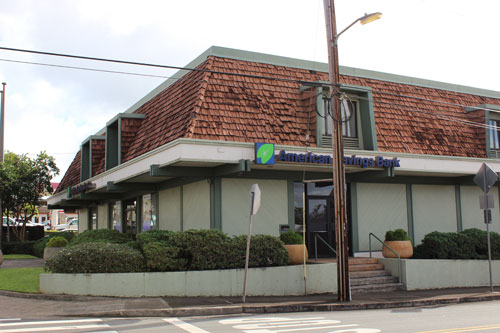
<point>339,192</point>
<point>2,121</point>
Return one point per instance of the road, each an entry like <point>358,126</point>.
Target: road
<point>473,317</point>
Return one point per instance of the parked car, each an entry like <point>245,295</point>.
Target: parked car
<point>18,223</point>
<point>71,225</point>
<point>10,219</point>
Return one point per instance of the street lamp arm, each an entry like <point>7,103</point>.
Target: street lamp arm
<point>367,18</point>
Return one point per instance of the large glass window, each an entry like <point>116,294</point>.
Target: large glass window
<point>349,119</point>
<point>494,135</point>
<point>116,216</point>
<point>149,212</point>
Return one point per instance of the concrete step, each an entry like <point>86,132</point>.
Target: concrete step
<point>373,280</point>
<point>361,261</point>
<point>362,289</point>
<point>365,267</point>
<point>364,274</point>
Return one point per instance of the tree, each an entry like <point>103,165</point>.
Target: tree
<point>23,181</point>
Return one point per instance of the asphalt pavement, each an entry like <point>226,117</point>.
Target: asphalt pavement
<point>13,304</point>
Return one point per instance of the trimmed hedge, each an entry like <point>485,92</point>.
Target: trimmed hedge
<point>467,244</point>
<point>57,241</point>
<point>154,236</point>
<point>25,247</point>
<point>96,258</point>
<point>396,235</point>
<point>161,257</point>
<point>101,236</point>
<point>40,244</point>
<point>265,251</point>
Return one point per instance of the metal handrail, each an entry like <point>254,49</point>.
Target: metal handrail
<point>387,246</point>
<point>316,236</point>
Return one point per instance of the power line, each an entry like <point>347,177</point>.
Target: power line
<point>84,68</point>
<point>126,62</point>
<point>303,82</point>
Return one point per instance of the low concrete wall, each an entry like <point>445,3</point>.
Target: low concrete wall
<point>269,281</point>
<point>435,274</point>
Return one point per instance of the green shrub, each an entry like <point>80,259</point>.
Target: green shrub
<point>203,249</point>
<point>96,258</point>
<point>154,236</point>
<point>25,247</point>
<point>134,245</point>
<point>40,244</point>
<point>467,244</point>
<point>161,257</point>
<point>291,238</point>
<point>57,241</point>
<point>265,251</point>
<point>396,235</point>
<point>101,236</point>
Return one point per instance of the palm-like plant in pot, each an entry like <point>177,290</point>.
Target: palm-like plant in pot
<point>294,244</point>
<point>400,242</point>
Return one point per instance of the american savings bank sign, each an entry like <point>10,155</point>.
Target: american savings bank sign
<point>264,154</point>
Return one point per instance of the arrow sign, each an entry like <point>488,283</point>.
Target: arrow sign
<point>485,178</point>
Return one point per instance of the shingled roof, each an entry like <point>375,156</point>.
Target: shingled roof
<point>213,104</point>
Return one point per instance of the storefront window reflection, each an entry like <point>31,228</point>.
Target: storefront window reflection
<point>149,212</point>
<point>116,216</point>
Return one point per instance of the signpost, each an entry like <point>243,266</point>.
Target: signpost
<point>485,179</point>
<point>254,208</point>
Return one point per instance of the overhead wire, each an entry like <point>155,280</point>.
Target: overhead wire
<point>311,83</point>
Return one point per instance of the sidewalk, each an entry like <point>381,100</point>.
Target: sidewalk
<point>36,305</point>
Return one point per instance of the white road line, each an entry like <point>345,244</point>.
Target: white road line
<point>183,325</point>
<point>49,322</point>
<point>52,328</point>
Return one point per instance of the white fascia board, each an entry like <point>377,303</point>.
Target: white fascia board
<point>220,152</point>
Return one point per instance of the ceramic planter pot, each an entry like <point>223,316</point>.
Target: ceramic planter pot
<point>296,254</point>
<point>49,252</point>
<point>403,248</point>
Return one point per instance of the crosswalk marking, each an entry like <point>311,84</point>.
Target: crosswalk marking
<point>185,326</point>
<point>50,325</point>
<point>53,328</point>
<point>49,322</point>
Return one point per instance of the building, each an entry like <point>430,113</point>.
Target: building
<point>183,157</point>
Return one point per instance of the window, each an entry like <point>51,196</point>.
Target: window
<point>149,215</point>
<point>348,109</point>
<point>116,216</point>
<point>494,135</point>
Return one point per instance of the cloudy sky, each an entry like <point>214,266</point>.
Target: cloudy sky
<point>55,109</point>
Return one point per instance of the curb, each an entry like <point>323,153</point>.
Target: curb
<point>302,307</point>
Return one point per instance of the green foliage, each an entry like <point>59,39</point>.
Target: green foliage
<point>396,235</point>
<point>40,244</point>
<point>291,238</point>
<point>467,244</point>
<point>265,251</point>
<point>96,258</point>
<point>154,236</point>
<point>100,236</point>
<point>23,181</point>
<point>161,257</point>
<point>57,241</point>
<point>25,247</point>
<point>134,245</point>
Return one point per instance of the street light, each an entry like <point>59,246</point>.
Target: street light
<point>2,121</point>
<point>339,187</point>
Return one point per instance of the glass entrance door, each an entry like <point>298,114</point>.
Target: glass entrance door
<point>320,228</point>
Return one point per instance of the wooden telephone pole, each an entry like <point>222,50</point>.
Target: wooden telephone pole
<point>341,231</point>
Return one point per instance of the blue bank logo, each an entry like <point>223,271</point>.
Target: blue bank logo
<point>264,153</point>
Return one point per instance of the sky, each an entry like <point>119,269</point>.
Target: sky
<point>54,109</point>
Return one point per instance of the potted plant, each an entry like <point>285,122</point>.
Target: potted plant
<point>54,246</point>
<point>294,244</point>
<point>400,242</point>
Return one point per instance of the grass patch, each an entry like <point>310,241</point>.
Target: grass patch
<point>26,280</point>
<point>18,256</point>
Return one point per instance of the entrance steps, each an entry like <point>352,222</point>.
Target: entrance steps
<point>367,275</point>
